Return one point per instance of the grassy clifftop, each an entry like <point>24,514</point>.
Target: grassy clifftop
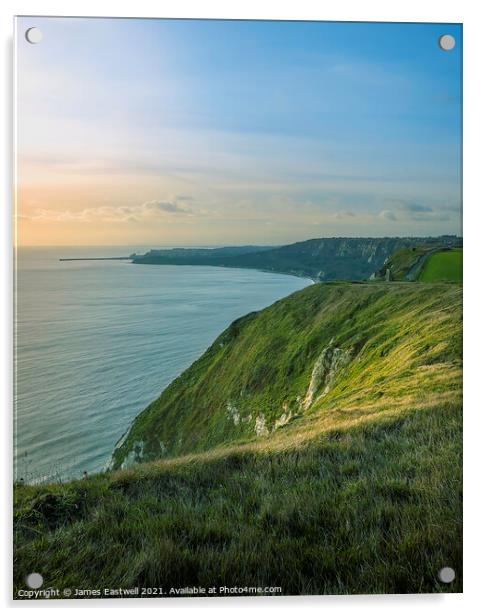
<point>321,454</point>
<point>370,506</point>
<point>445,265</point>
<point>427,262</point>
<point>343,348</point>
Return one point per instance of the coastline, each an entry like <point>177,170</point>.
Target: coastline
<point>161,351</point>
<point>235,267</point>
<point>108,465</point>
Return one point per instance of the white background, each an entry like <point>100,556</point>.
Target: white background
<point>353,10</point>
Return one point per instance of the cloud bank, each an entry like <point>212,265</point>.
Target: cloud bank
<point>149,211</point>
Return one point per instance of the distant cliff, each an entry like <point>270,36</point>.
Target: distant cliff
<point>320,259</point>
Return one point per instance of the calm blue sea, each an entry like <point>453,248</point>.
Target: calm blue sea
<point>96,341</point>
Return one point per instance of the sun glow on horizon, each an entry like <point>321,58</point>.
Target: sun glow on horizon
<point>184,132</point>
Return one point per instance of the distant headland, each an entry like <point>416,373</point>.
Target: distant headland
<point>321,259</point>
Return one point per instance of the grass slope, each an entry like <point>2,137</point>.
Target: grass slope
<point>372,507</point>
<point>443,266</point>
<point>408,262</point>
<point>359,492</point>
<point>392,341</point>
<point>404,261</point>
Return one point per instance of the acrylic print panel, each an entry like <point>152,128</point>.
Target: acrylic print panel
<point>237,308</point>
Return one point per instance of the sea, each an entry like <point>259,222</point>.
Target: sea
<point>96,341</point>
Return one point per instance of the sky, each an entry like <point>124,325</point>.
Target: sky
<point>186,132</point>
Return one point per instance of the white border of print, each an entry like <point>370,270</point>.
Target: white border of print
<point>465,11</point>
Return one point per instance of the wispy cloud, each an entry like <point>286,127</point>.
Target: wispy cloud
<point>343,215</point>
<point>403,210</point>
<point>165,206</point>
<point>407,206</point>
<point>148,211</point>
<point>388,215</point>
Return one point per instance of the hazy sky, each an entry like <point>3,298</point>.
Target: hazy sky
<point>177,132</point>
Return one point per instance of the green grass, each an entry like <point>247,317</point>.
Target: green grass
<point>359,492</point>
<point>400,341</point>
<point>406,263</point>
<point>374,508</point>
<point>401,262</point>
<point>443,266</point>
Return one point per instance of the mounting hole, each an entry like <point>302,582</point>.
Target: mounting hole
<point>34,35</point>
<point>446,575</point>
<point>446,42</point>
<point>34,580</point>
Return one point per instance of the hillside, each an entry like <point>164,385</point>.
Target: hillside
<point>319,259</point>
<point>328,428</point>
<point>330,346</point>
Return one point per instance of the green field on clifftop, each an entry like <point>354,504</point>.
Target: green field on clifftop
<point>445,265</point>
